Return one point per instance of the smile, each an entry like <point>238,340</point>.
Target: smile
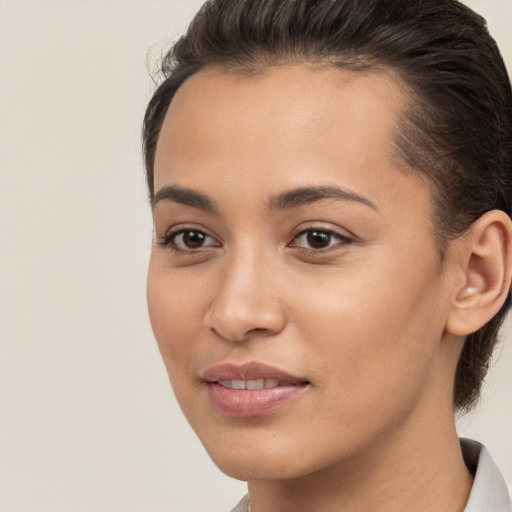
<point>251,389</point>
<point>252,384</point>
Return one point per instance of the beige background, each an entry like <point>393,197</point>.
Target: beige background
<point>87,419</point>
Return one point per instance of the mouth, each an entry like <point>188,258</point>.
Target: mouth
<point>252,389</point>
<point>254,384</point>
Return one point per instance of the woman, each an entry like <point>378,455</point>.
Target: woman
<point>331,192</point>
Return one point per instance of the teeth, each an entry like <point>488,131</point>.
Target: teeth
<point>270,383</point>
<point>238,384</point>
<point>250,384</point>
<point>254,384</point>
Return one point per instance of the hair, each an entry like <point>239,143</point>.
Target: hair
<point>456,130</point>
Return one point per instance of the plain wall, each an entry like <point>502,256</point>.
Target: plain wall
<point>87,418</point>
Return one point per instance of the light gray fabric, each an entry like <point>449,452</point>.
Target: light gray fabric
<point>243,506</point>
<point>489,492</point>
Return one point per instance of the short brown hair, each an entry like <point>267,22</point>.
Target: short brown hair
<point>457,130</point>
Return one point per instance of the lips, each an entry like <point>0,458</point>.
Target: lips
<point>252,389</point>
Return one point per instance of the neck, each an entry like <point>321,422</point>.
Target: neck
<point>404,472</point>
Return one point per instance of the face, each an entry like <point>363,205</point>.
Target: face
<point>293,258</point>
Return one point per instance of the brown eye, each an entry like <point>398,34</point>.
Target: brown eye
<point>193,239</point>
<point>318,239</point>
<point>189,240</point>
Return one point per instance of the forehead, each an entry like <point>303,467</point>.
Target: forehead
<point>282,103</point>
<point>285,127</point>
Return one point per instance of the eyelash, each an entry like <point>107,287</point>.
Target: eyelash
<point>341,241</point>
<point>169,240</point>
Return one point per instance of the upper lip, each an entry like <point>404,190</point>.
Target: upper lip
<point>249,371</point>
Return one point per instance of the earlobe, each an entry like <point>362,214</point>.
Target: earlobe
<point>485,258</point>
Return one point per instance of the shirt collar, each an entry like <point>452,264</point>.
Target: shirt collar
<point>489,492</point>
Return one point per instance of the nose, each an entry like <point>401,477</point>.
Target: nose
<point>246,302</point>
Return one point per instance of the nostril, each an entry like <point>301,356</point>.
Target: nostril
<point>227,336</point>
<point>257,330</point>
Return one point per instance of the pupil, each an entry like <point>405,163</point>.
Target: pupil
<point>318,239</point>
<point>193,239</point>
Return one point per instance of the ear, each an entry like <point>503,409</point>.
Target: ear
<point>485,261</point>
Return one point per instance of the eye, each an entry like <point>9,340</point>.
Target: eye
<point>188,240</point>
<point>319,239</point>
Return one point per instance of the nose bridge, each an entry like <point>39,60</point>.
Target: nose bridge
<point>245,300</point>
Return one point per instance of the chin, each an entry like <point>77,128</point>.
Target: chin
<point>256,467</point>
<point>263,455</point>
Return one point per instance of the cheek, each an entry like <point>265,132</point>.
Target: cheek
<point>376,333</point>
<point>174,310</point>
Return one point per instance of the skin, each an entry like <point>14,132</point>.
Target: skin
<point>367,319</point>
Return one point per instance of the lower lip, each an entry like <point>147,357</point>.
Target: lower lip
<point>246,403</point>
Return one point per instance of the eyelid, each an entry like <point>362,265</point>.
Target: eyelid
<point>172,233</point>
<point>342,239</point>
<point>325,227</point>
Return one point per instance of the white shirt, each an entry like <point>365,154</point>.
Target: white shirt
<point>489,492</point>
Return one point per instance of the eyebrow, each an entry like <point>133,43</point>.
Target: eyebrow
<point>289,199</point>
<point>185,196</point>
<point>306,195</point>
